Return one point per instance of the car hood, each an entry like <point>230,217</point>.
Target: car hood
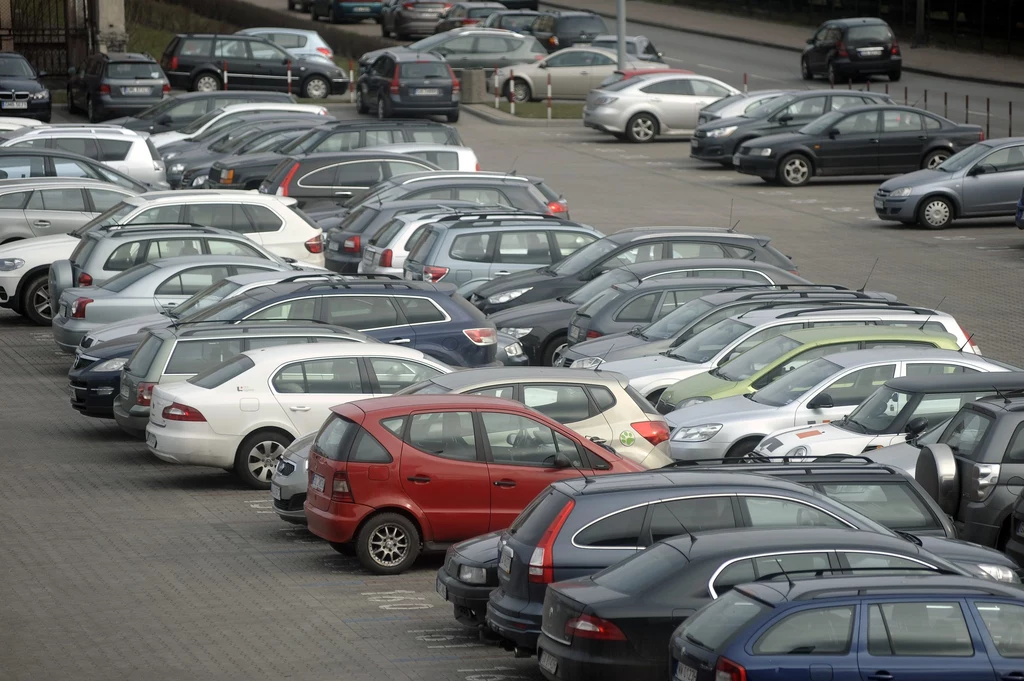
<point>59,245</point>
<point>918,178</point>
<point>600,347</point>
<point>729,121</point>
<point>516,280</point>
<point>821,439</point>
<point>196,154</point>
<point>119,347</point>
<point>479,551</point>
<point>701,385</point>
<point>369,57</point>
<point>533,313</point>
<point>248,160</point>
<point>652,367</point>
<point>734,409</point>
<point>162,139</point>
<point>176,149</point>
<point>20,84</point>
<point>129,327</point>
<point>957,550</point>
<point>780,139</point>
<point>902,455</point>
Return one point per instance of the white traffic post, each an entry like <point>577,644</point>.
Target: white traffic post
<point>224,71</point>
<point>289,76</point>
<point>512,92</point>
<point>549,96</point>
<point>351,83</point>
<point>497,95</point>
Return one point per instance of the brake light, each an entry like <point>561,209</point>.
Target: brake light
<point>166,88</point>
<point>385,257</point>
<point>467,21</point>
<point>340,490</point>
<point>478,167</point>
<point>174,64</point>
<point>316,244</point>
<point>542,567</point>
<point>351,244</point>
<point>538,57</point>
<point>654,432</point>
<point>182,412</point>
<point>895,47</point>
<point>727,670</point>
<point>981,136</point>
<point>558,207</point>
<point>456,86</point>
<point>227,177</point>
<point>553,40</point>
<point>104,89</point>
<point>409,5</point>
<point>484,336</point>
<point>841,49</point>
<point>593,334</point>
<point>78,307</point>
<point>283,189</point>
<point>594,628</point>
<point>970,338</point>
<point>326,51</point>
<point>434,274</point>
<point>84,279</point>
<point>394,79</point>
<point>144,394</point>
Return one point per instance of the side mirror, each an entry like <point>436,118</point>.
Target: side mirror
<point>42,74</point>
<point>981,169</point>
<point>562,461</point>
<point>916,426</point>
<point>165,120</point>
<point>785,118</point>
<point>542,65</point>
<point>833,133</point>
<point>821,401</point>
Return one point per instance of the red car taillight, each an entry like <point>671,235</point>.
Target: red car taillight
<point>78,307</point>
<point>485,336</point>
<point>593,334</point>
<point>385,257</point>
<point>559,207</point>
<point>895,47</point>
<point>594,628</point>
<point>340,490</point>
<point>394,79</point>
<point>841,50</point>
<point>84,279</point>
<point>316,244</point>
<point>654,432</point>
<point>467,21</point>
<point>144,394</point>
<point>409,5</point>
<point>351,244</point>
<point>182,412</point>
<point>166,88</point>
<point>104,89</point>
<point>542,563</point>
<point>553,40</point>
<point>433,273</point>
<point>283,189</point>
<point>326,51</point>
<point>981,136</point>
<point>174,64</point>
<point>456,86</point>
<point>727,670</point>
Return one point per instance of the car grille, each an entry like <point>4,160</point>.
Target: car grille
<point>214,175</point>
<point>882,193</point>
<point>295,503</point>
<point>82,361</point>
<point>7,96</point>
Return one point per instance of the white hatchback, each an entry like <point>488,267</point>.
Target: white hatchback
<point>243,413</point>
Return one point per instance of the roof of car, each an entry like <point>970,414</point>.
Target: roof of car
<point>397,122</point>
<point>409,147</point>
<point>868,307</point>
<point>287,353</point>
<point>170,228</point>
<point>407,402</point>
<point>670,282</point>
<point>355,155</point>
<point>824,335</point>
<point>479,3</point>
<point>776,593</point>
<point>21,183</point>
<point>182,260</point>
<point>766,293</point>
<point>645,269</point>
<point>954,383</point>
<point>349,286</point>
<point>527,374</point>
<point>506,218</point>
<point>855,358</point>
<point>666,478</point>
<point>278,276</point>
<point>404,56</point>
<point>858,21</point>
<point>612,36</point>
<point>53,131</point>
<point>276,29</point>
<point>276,106</point>
<point>631,233</point>
<point>468,175</point>
<point>128,56</point>
<point>207,196</point>
<point>233,94</point>
<point>262,328</point>
<point>750,540</point>
<point>569,13</point>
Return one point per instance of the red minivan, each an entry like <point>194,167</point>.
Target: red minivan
<point>391,476</point>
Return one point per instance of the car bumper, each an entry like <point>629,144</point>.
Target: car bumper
<point>93,393</point>
<point>712,149</point>
<point>471,597</point>
<point>340,86</point>
<point>68,333</point>
<point>123,106</point>
<point>691,451</point>
<point>9,286</point>
<point>604,119</point>
<point>39,110</point>
<point>762,166</point>
<point>880,67</point>
<point>574,665</point>
<point>192,444</point>
<point>356,11</point>
<point>902,209</point>
<point>399,106</point>
<point>290,507</point>
<point>132,420</point>
<point>516,620</point>
<point>338,523</point>
<point>416,26</point>
<point>342,263</point>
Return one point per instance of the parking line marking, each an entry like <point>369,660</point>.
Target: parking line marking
<point>714,68</point>
<point>774,80</point>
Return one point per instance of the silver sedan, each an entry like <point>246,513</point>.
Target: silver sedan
<point>642,108</point>
<point>573,71</point>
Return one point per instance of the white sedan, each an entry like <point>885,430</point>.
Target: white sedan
<point>243,413</point>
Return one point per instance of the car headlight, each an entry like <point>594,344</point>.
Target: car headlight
<point>516,331</point>
<point>11,264</point>
<point>514,350</point>
<point>169,155</point>
<point>602,101</point>
<point>40,96</point>
<point>722,132</point>
<point>115,364</point>
<point>200,180</point>
<point>472,575</point>
<point>901,192</point>
<point>997,573</point>
<point>506,296</point>
<point>692,401</point>
<point>177,168</point>
<point>587,363</point>
<point>798,451</point>
<point>700,433</point>
<point>767,151</point>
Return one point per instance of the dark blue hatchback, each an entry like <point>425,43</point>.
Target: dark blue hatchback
<point>428,317</point>
<point>878,628</point>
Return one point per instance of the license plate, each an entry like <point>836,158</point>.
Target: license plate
<point>318,483</point>
<point>879,204</point>
<point>441,589</point>
<point>548,662</point>
<point>333,246</point>
<point>684,673</point>
<point>426,91</point>
<point>694,143</point>
<point>14,105</point>
<point>62,309</point>
<point>135,90</point>
<point>360,9</point>
<point>150,440</point>
<point>735,159</point>
<point>275,491</point>
<point>505,562</point>
<point>574,334</point>
<point>124,391</point>
<point>74,394</point>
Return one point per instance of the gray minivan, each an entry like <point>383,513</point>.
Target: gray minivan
<point>471,249</point>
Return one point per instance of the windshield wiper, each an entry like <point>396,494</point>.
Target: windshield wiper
<point>846,421</point>
<point>910,537</point>
<point>637,332</point>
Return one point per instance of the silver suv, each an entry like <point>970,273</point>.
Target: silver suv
<point>126,151</point>
<point>43,206</point>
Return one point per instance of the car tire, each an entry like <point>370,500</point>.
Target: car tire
<point>90,111</point>
<point>742,448</point>
<point>291,6</point>
<point>794,170</point>
<point>316,87</point>
<point>453,116</point>
<point>641,128</point>
<point>71,103</point>
<point>894,76</point>
<point>344,549</point>
<point>935,213</point>
<point>361,106</point>
<point>521,91</point>
<point>206,81</point>
<point>384,32</point>
<point>934,158</point>
<point>554,347</point>
<point>383,108</point>
<point>257,456</point>
<point>805,69</point>
<point>388,544</point>
<point>36,303</point>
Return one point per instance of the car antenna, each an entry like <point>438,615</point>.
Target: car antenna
<point>729,222</point>
<point>785,574</point>
<point>966,343</point>
<point>1001,395</point>
<point>732,230</point>
<point>872,271</point>
<point>929,317</point>
<point>512,170</point>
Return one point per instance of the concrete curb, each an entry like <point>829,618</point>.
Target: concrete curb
<point>788,48</point>
<point>491,115</point>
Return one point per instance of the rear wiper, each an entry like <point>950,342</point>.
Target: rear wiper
<point>696,641</point>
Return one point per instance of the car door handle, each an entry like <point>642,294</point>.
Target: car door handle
<point>880,676</point>
<point>504,483</point>
<point>168,305</point>
<point>399,341</point>
<point>596,440</point>
<point>873,141</point>
<point>502,272</point>
<point>299,408</point>
<point>41,223</point>
<point>1013,676</point>
<point>418,478</point>
<point>654,99</point>
<point>922,137</point>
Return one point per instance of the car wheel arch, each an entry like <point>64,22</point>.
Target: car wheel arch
<point>940,145</point>
<point>407,510</point>
<point>948,195</point>
<point>440,354</point>
<point>265,428</point>
<point>29,276</point>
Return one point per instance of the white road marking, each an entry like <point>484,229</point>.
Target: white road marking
<point>714,68</point>
<point>774,80</point>
<point>681,61</point>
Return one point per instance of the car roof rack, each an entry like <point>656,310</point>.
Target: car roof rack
<point>825,303</point>
<point>230,322</point>
<point>334,276</point>
<point>902,307</point>
<point>804,293</point>
<point>759,460</point>
<point>158,227</point>
<point>397,284</point>
<point>767,288</point>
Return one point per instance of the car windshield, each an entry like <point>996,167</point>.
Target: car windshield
<point>719,621</point>
<point>574,25</point>
<point>212,294</point>
<point>723,102</point>
<point>160,109</point>
<point>613,45</point>
<point>621,82</point>
<point>821,125</point>
<point>676,320</point>
<point>585,256</point>
<point>481,12</point>
<point>756,359</point>
<point>215,376</point>
<point>427,43</point>
<point>869,33</point>
<point>12,66</point>
<point>430,69</point>
<point>709,342</point>
<point>885,407</point>
<point>233,138</point>
<point>201,122</point>
<point>125,279</point>
<point>600,284</point>
<point>517,22</point>
<point>961,160</point>
<point>269,142</point>
<point>793,385</point>
<point>769,106</point>
<point>128,70</point>
<point>893,504</point>
<point>114,216</point>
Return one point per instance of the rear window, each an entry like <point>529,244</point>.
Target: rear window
<point>430,69</point>
<point>529,526</point>
<point>582,25</point>
<point>357,221</point>
<point>196,47</point>
<point>642,402</point>
<point>424,388</point>
<point>714,625</point>
<point>387,233</point>
<point>140,361</point>
<point>125,279</point>
<point>723,102</point>
<point>894,505</point>
<point>869,33</point>
<point>478,12</point>
<point>194,356</point>
<point>305,218</point>
<point>445,160</point>
<point>82,250</point>
<point>215,376</point>
<point>641,571</point>
<point>133,70</point>
<point>280,170</point>
<point>343,440</point>
<point>423,246</point>
<point>549,193</point>
<point>598,302</point>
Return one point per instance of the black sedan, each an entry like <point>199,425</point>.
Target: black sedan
<point>21,92</point>
<point>617,623</point>
<point>468,576</point>
<point>863,140</point>
<point>95,377</point>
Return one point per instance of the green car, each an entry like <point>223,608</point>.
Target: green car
<point>762,364</point>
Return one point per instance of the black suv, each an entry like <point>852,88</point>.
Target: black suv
<point>844,49</point>
<point>174,113</point>
<point>404,83</point>
<point>556,30</point>
<point>198,62</point>
<point>22,93</point>
<point>248,171</point>
<point>115,84</point>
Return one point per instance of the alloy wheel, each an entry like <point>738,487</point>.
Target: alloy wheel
<point>388,545</point>
<point>796,171</point>
<point>520,91</point>
<point>262,459</point>
<point>316,88</point>
<point>41,302</point>
<point>556,356</point>
<point>642,129</point>
<point>935,160</point>
<point>206,84</point>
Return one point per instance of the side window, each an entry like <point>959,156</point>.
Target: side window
<point>404,167</point>
<point>20,167</point>
<point>603,397</point>
<point>16,200</point>
<point>192,281</point>
<point>821,631</point>
<point>502,391</point>
<point>360,312</point>
<point>601,60</point>
<point>376,138</point>
<point>196,47</point>
<point>966,432</point>
<point>806,108</point>
<point>854,388</point>
<point>447,434</point>
<point>481,195</point>
<point>704,88</point>
<point>639,309</point>
<point>870,564</point>
<point>263,52</point>
<point>274,341</point>
<point>570,242</point>
<point>864,123</point>
<point>123,257</point>
<point>918,629</point>
<point>524,248</point>
<point>339,141</point>
<point>562,403</point>
<point>66,167</point>
<point>1005,624</point>
<point>932,123</point>
<point>804,564</point>
<point>695,249</point>
<point>83,146</point>
<point>160,214</point>
<point>845,102</point>
<point>762,336</point>
<point>520,441</point>
<point>1015,450</point>
<point>228,216</point>
<point>192,357</point>
<point>490,44</point>
<point>689,516</point>
<point>113,150</point>
<point>262,219</point>
<point>473,247</point>
<point>395,374</point>
<point>430,137</point>
<point>621,530</point>
<point>419,310</point>
<point>939,407</point>
<point>783,513</point>
<point>224,247</point>
<point>230,49</point>
<point>642,253</point>
<point>293,309</point>
<point>901,121</point>
<point>104,199</point>
<point>740,572</point>
<point>320,178</point>
<point>57,199</point>
<point>368,450</point>
<point>673,86</point>
<point>359,174</point>
<point>323,376</point>
<point>432,195</point>
<point>1006,159</point>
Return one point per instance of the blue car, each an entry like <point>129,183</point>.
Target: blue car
<point>427,317</point>
<point>877,628</point>
<point>339,12</point>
